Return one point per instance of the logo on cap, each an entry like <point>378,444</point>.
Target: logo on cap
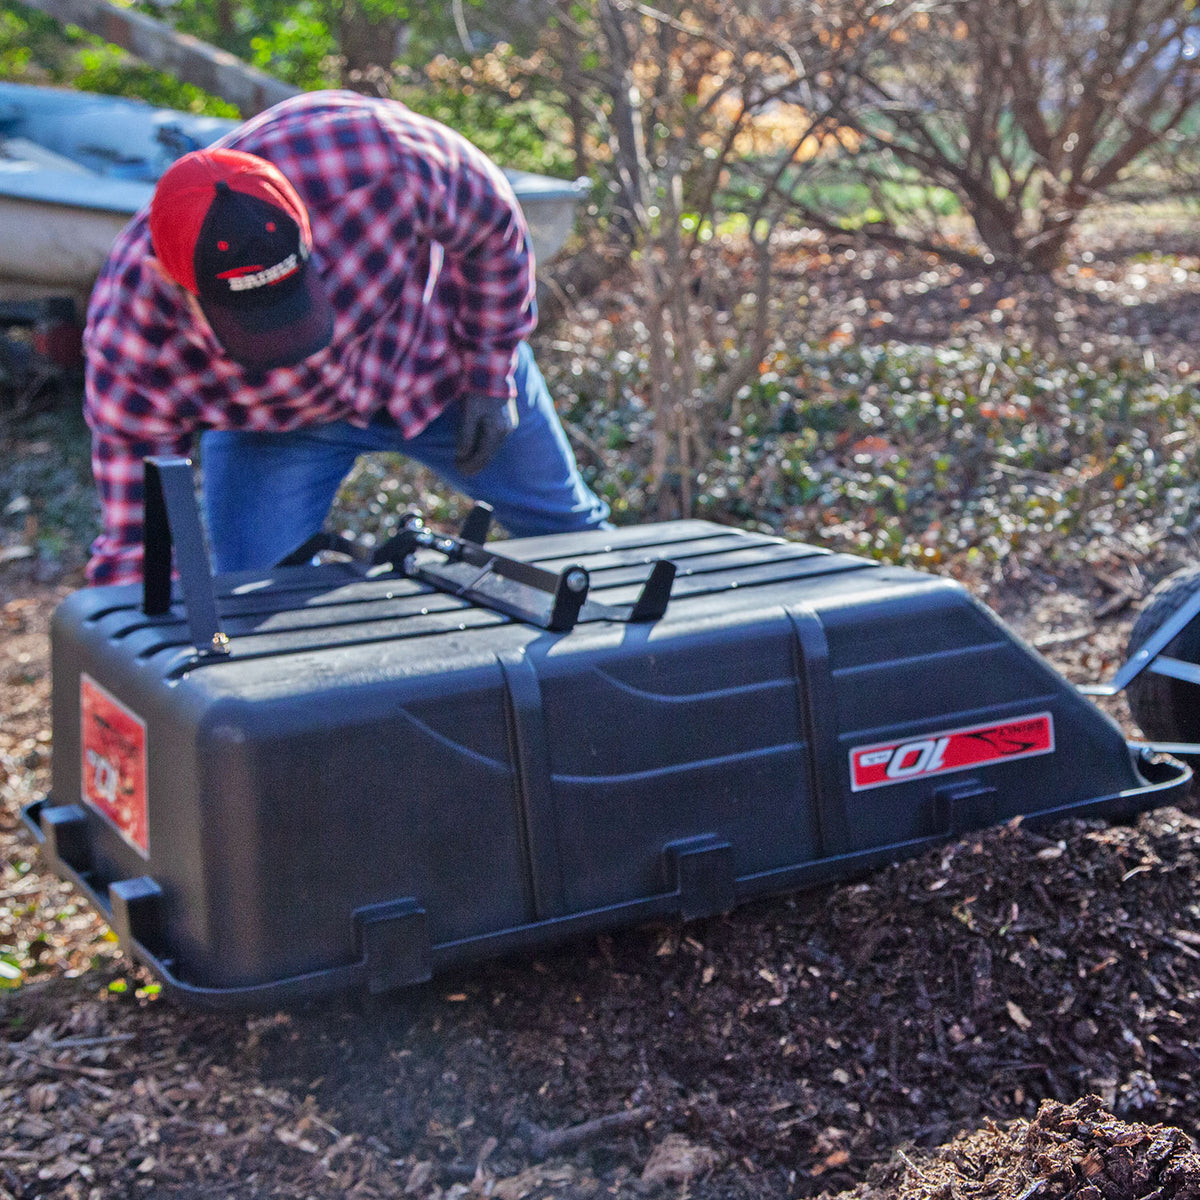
<point>247,246</point>
<point>243,283</point>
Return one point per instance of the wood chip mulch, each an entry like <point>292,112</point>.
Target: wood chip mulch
<point>1025,1001</point>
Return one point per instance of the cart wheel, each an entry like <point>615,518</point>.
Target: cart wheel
<point>1168,710</point>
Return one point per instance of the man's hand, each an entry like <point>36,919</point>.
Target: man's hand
<point>483,424</point>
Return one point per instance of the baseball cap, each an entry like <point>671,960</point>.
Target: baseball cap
<point>230,228</point>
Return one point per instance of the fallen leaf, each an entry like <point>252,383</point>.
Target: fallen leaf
<point>874,449</point>
<point>418,1177</point>
<point>1018,1017</point>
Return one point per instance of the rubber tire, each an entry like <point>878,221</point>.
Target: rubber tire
<point>1168,710</point>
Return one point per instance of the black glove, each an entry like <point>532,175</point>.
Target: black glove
<point>483,424</point>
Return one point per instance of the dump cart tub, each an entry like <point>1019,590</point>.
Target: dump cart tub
<point>374,777</point>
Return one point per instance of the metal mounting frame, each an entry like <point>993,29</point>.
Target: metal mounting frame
<point>519,589</point>
<point>461,566</point>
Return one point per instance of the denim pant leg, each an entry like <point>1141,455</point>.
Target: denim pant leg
<point>264,494</point>
<point>533,484</point>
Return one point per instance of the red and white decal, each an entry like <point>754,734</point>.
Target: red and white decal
<point>950,750</point>
<point>114,762</point>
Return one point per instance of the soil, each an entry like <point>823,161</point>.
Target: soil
<point>1013,1015</point>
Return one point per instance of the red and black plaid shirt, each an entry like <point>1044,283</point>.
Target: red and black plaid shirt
<point>425,256</point>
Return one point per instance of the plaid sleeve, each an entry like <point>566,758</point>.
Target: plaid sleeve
<point>117,466</point>
<point>472,211</point>
<point>131,406</point>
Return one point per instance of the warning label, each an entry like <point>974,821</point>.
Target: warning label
<point>951,750</point>
<point>114,762</point>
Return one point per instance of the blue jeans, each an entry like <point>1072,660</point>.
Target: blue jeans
<point>267,493</point>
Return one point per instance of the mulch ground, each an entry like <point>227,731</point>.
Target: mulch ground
<point>1014,1015</point>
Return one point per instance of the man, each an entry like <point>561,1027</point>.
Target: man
<point>336,276</point>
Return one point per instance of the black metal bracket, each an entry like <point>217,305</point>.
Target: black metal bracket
<point>459,566</point>
<point>337,543</point>
<point>553,600</point>
<point>172,520</point>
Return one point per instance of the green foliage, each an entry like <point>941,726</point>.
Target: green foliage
<point>853,203</point>
<point>520,133</point>
<point>231,27</point>
<point>918,454</point>
<point>519,123</point>
<point>35,49</point>
<point>297,48</point>
<point>106,70</point>
<point>921,455</point>
<point>300,42</point>
<point>11,974</point>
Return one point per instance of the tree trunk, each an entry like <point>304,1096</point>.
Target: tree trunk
<point>187,58</point>
<point>365,43</point>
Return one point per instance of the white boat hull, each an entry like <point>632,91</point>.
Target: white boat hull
<point>74,168</point>
<point>50,249</point>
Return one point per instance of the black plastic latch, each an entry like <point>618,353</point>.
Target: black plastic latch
<point>64,826</point>
<point>394,941</point>
<point>701,870</point>
<point>137,915</point>
<point>966,804</point>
